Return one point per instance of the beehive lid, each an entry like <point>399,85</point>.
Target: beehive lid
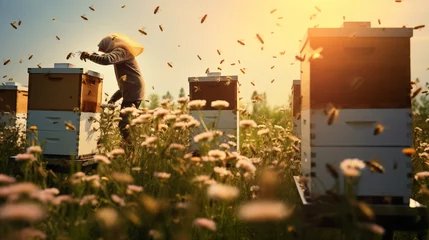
<point>213,78</point>
<point>357,30</point>
<point>66,68</point>
<point>13,86</point>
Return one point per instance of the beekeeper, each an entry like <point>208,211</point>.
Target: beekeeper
<point>121,52</point>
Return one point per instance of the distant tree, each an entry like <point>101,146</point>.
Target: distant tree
<point>263,113</point>
<point>154,101</point>
<point>168,96</point>
<point>182,93</point>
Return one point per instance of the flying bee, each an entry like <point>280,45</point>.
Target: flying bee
<point>53,19</point>
<point>375,166</point>
<point>4,76</point>
<point>71,54</point>
<point>147,100</point>
<point>142,31</point>
<point>302,59</point>
<point>153,87</point>
<point>170,64</point>
<point>30,57</point>
<point>124,78</point>
<point>204,18</point>
<point>70,126</point>
<point>241,42</point>
<point>313,16</point>
<point>10,79</point>
<point>272,80</point>
<point>58,38</point>
<point>156,10</point>
<point>332,170</point>
<point>318,9</point>
<point>19,23</point>
<point>6,62</point>
<point>207,70</point>
<point>228,81</point>
<point>123,6</point>
<point>274,56</point>
<point>260,38</point>
<point>408,151</point>
<point>239,62</point>
<point>84,17</point>
<point>416,92</point>
<point>278,25</point>
<point>198,56</point>
<point>218,52</point>
<point>232,64</point>
<point>273,11</point>
<point>344,18</point>
<point>378,129</point>
<point>253,84</point>
<point>419,27</point>
<point>39,65</point>
<point>92,8</point>
<point>160,28</point>
<point>280,18</point>
<point>221,61</point>
<point>13,25</point>
<point>219,68</point>
<point>282,53</point>
<point>425,91</point>
<point>20,60</point>
<point>242,70</point>
<point>272,67</point>
<point>379,21</point>
<point>332,115</point>
<point>262,48</point>
<point>197,88</point>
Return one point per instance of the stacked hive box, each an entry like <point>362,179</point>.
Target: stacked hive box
<point>211,88</point>
<point>365,73</point>
<point>13,105</point>
<point>61,95</point>
<point>296,108</point>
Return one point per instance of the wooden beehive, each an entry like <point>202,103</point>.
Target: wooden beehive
<point>13,104</point>
<point>214,87</point>
<point>13,98</point>
<point>365,73</point>
<point>68,89</point>
<point>63,119</point>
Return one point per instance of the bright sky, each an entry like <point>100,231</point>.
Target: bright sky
<point>227,22</point>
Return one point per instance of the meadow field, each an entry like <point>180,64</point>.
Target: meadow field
<point>158,188</point>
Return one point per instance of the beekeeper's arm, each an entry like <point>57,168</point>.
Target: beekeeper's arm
<point>116,56</point>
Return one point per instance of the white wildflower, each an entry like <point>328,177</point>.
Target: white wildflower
<point>196,104</point>
<point>219,104</point>
<point>222,192</point>
<point>205,223</point>
<point>260,211</point>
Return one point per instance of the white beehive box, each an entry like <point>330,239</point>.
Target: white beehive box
<point>60,141</point>
<point>395,182</point>
<point>75,98</point>
<point>355,127</point>
<point>13,105</point>
<point>364,72</point>
<point>214,87</point>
